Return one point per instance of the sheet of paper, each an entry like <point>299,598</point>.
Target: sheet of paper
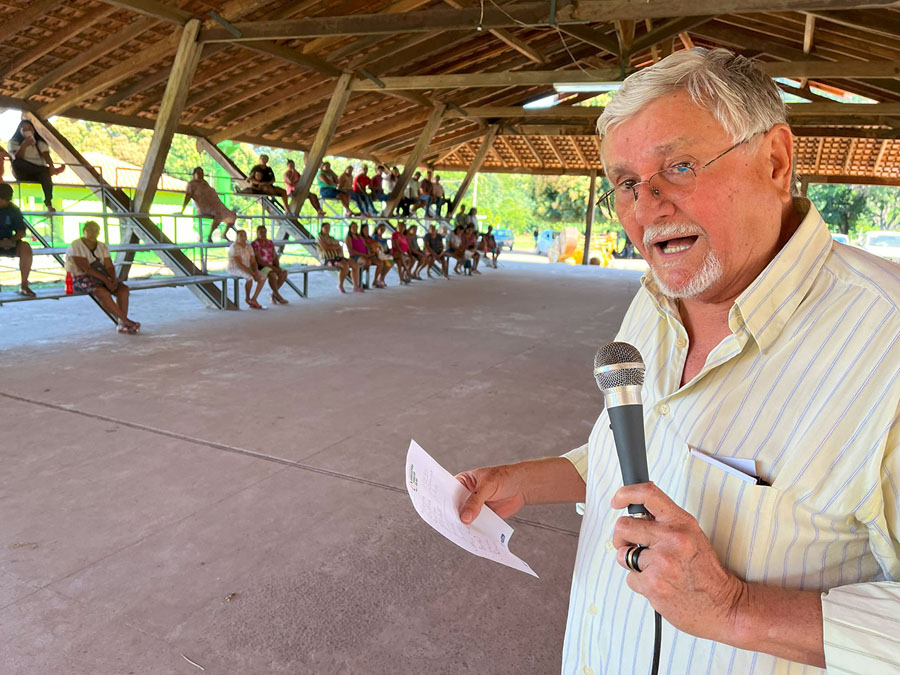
<point>437,496</point>
<point>745,469</point>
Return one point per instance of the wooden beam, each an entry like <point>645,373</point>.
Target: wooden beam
<point>152,8</point>
<point>554,113</point>
<point>667,31</point>
<point>365,137</point>
<point>25,17</point>
<point>625,36</point>
<point>505,36</point>
<point>537,156</point>
<point>852,109</point>
<point>804,93</point>
<point>808,31</point>
<point>186,59</point>
<point>477,161</point>
<point>87,57</point>
<point>47,45</point>
<point>852,180</point>
<point>686,40</point>
<point>869,21</point>
<point>589,217</point>
<point>339,97</point>
<point>831,69</point>
<point>555,130</point>
<point>844,132</point>
<point>516,78</point>
<point>593,37</point>
<point>296,57</point>
<point>409,167</point>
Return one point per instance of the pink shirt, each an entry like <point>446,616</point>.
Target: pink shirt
<point>358,246</point>
<point>401,241</point>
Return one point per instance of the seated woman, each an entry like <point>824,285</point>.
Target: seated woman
<point>332,254</point>
<point>88,261</point>
<point>434,246</point>
<point>291,179</point>
<point>400,251</point>
<point>423,259</point>
<point>327,180</point>
<point>269,264</point>
<point>208,204</point>
<point>470,250</point>
<point>488,247</point>
<point>395,253</point>
<point>455,248</point>
<point>31,162</point>
<point>242,263</point>
<point>359,253</point>
<point>345,184</point>
<point>12,236</point>
<point>376,251</point>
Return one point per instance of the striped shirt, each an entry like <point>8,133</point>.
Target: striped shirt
<point>807,385</point>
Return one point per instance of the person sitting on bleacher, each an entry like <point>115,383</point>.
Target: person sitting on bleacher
<point>291,179</point>
<point>242,263</point>
<point>12,236</point>
<point>262,182</point>
<point>88,261</point>
<point>422,258</point>
<point>470,247</point>
<point>361,187</point>
<point>426,193</point>
<point>410,200</point>
<point>31,161</point>
<point>378,186</point>
<point>434,246</point>
<point>377,250</point>
<point>345,184</point>
<point>462,217</point>
<point>382,241</point>
<point>327,180</point>
<point>401,252</point>
<point>487,245</point>
<point>361,255</point>
<point>268,263</point>
<point>439,198</point>
<point>332,254</point>
<point>4,155</point>
<point>208,204</point>
<point>455,247</point>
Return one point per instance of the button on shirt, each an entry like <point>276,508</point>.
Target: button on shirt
<point>808,386</point>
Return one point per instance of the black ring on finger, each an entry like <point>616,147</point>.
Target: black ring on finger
<point>631,558</point>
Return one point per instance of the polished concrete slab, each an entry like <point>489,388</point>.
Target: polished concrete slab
<point>227,487</point>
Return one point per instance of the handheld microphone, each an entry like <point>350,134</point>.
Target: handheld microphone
<point>619,371</point>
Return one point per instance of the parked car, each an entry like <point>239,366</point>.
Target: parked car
<point>838,236</point>
<point>545,239</point>
<point>504,237</point>
<point>883,244</point>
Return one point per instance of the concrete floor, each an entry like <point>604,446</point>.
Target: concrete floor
<point>229,486</point>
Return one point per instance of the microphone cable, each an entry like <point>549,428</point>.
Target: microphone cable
<point>657,642</point>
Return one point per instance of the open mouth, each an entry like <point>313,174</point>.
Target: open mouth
<point>675,245</point>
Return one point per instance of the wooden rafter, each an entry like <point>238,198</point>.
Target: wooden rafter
<point>25,17</point>
<point>152,8</point>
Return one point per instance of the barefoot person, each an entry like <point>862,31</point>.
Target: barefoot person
<point>92,270</point>
<point>208,204</point>
<point>12,236</point>
<point>242,263</point>
<point>332,253</point>
<point>267,262</point>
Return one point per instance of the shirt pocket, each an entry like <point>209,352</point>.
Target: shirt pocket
<point>736,515</point>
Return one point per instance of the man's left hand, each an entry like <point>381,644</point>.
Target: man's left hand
<point>680,574</point>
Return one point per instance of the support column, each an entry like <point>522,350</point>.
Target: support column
<point>589,218</point>
<point>412,163</point>
<point>180,77</point>
<point>316,154</point>
<point>474,167</point>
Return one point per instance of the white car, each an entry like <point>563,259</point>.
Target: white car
<point>883,244</point>
<point>842,238</point>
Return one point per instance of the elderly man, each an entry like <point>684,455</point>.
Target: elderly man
<point>765,342</point>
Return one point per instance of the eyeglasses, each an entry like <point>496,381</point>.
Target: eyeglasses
<point>672,184</point>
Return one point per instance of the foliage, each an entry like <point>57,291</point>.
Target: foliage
<point>854,209</point>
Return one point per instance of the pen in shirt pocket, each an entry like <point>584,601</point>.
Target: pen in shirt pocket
<point>745,469</point>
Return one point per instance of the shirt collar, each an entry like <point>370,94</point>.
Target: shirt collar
<point>765,306</point>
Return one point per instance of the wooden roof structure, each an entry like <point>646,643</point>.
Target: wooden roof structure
<point>270,72</point>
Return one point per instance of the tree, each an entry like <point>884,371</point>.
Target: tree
<point>883,206</point>
<point>842,206</point>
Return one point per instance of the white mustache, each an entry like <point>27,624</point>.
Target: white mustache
<point>670,231</point>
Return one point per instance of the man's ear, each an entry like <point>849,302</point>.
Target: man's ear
<point>780,144</point>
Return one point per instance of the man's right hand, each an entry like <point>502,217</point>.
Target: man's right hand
<point>500,487</point>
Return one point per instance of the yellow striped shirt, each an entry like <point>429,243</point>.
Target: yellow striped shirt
<point>808,386</point>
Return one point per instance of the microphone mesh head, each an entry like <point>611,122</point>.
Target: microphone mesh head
<point>615,353</point>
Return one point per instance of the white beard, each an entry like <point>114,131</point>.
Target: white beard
<point>710,271</point>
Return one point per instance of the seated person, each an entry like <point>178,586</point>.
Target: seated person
<point>361,186</point>
<point>12,236</point>
<point>376,250</point>
<point>455,247</point>
<point>291,179</point>
<point>434,246</point>
<point>415,251</point>
<point>262,182</point>
<point>401,253</point>
<point>242,263</point>
<point>88,261</point>
<point>327,180</point>
<point>439,199</point>
<point>208,204</point>
<point>461,217</point>
<point>426,193</point>
<point>4,155</point>
<point>470,248</point>
<point>488,246</point>
<point>31,161</point>
<point>332,253</point>
<point>359,251</point>
<point>410,199</point>
<point>345,184</point>
<point>268,263</point>
<point>378,192</point>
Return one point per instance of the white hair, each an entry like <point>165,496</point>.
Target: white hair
<point>733,88</point>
